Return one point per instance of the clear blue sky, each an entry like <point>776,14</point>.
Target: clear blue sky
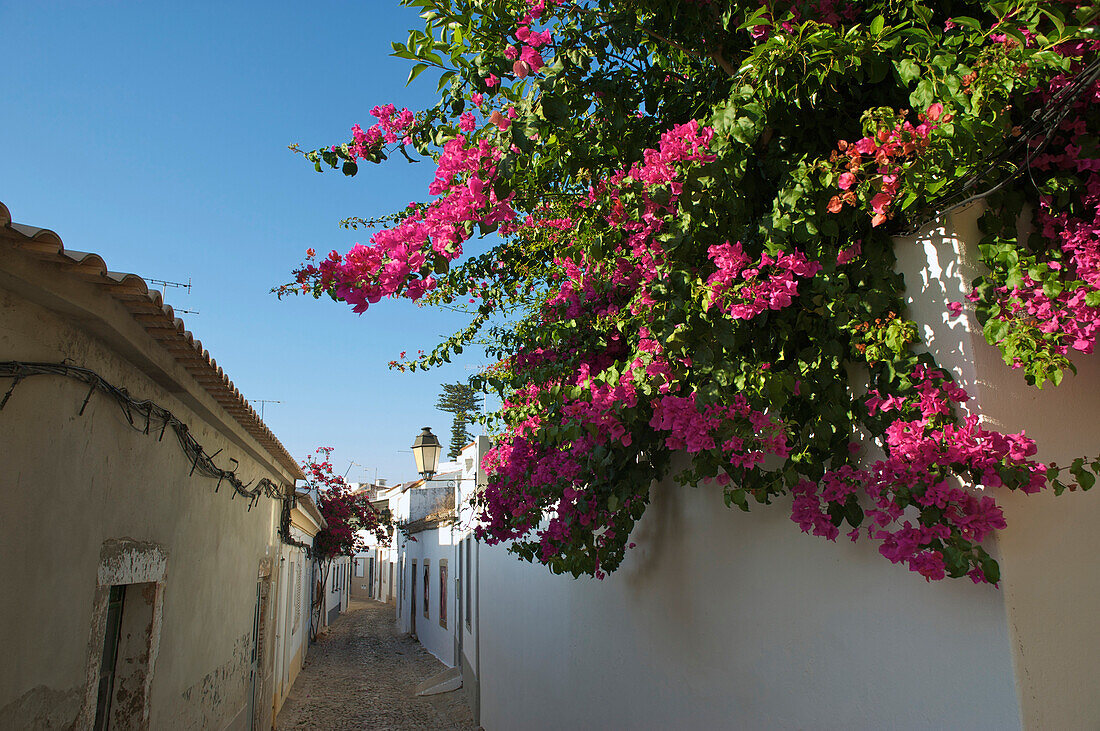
<point>155,135</point>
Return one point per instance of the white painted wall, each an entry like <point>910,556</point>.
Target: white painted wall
<point>1051,587</point>
<point>336,589</point>
<point>434,545</point>
<point>292,620</point>
<point>720,619</point>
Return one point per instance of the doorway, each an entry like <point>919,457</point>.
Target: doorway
<point>121,698</point>
<point>412,602</point>
<point>254,664</point>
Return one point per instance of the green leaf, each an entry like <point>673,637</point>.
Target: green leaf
<point>971,23</point>
<point>996,331</point>
<point>853,513</point>
<point>416,71</point>
<point>908,70</point>
<point>737,497</point>
<point>991,570</point>
<point>923,95</point>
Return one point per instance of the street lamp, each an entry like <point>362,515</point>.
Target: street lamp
<point>426,450</point>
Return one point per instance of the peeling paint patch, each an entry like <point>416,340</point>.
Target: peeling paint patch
<point>126,561</point>
<point>213,701</point>
<point>42,708</point>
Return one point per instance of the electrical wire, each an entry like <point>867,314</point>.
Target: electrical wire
<point>146,416</point>
<point>1043,122</point>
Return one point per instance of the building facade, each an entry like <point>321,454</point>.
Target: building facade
<point>373,570</point>
<point>426,548</point>
<point>296,568</point>
<point>142,528</point>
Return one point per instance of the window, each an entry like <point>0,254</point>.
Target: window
<point>359,567</point>
<point>443,593</point>
<point>427,583</point>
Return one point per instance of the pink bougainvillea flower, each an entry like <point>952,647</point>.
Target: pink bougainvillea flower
<point>866,146</point>
<point>532,58</point>
<point>500,120</point>
<point>849,254</point>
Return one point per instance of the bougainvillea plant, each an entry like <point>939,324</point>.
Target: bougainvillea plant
<point>346,512</point>
<point>690,207</point>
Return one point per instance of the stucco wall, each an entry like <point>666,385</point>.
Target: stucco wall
<point>72,482</point>
<point>435,544</point>
<point>292,624</point>
<point>720,619</point>
<point>1047,554</point>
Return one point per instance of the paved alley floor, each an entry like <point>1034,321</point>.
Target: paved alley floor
<point>361,675</point>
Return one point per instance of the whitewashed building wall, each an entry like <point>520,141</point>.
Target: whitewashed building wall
<point>720,619</point>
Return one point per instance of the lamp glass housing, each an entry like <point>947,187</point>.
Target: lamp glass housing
<point>426,450</point>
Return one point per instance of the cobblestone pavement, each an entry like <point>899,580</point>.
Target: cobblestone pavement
<point>362,674</point>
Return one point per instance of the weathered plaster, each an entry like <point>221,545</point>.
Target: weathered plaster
<point>42,708</point>
<point>219,695</point>
<point>101,481</point>
<point>124,561</point>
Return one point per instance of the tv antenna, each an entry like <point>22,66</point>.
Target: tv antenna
<point>262,401</point>
<point>164,284</point>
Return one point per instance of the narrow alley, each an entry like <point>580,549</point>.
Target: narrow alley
<point>362,674</point>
